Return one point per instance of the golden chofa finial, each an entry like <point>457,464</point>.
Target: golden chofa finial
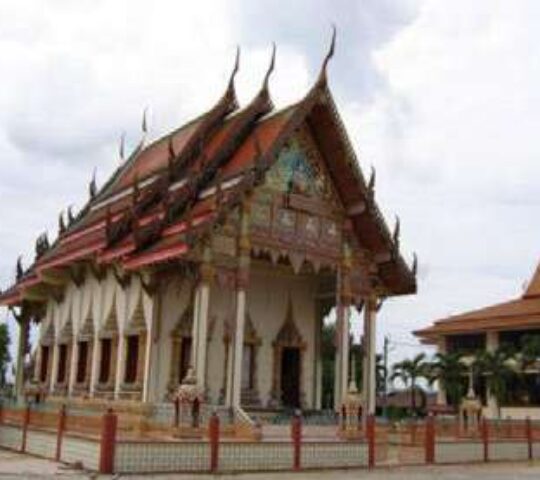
<point>270,67</point>
<point>236,67</point>
<point>329,55</point>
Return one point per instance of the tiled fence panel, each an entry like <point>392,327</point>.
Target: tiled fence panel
<point>459,452</point>
<point>536,450</point>
<point>327,455</point>
<point>10,437</point>
<point>509,450</point>
<point>161,457</point>
<point>41,443</point>
<point>255,456</point>
<point>80,450</point>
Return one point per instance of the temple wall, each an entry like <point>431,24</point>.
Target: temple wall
<point>267,302</point>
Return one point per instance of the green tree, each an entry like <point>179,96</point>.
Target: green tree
<point>449,370</point>
<point>409,371</point>
<point>530,350</point>
<point>5,357</point>
<point>498,370</point>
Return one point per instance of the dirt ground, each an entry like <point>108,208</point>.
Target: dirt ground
<point>15,465</point>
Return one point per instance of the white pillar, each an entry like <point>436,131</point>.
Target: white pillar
<point>369,386</point>
<point>19,373</point>
<point>317,391</point>
<point>345,351</point>
<point>96,355</point>
<point>195,330</point>
<point>147,360</point>
<point>120,364</point>
<point>230,373</point>
<point>238,346</point>
<point>54,369</point>
<point>73,365</point>
<point>441,393</point>
<point>492,343</point>
<point>204,298</point>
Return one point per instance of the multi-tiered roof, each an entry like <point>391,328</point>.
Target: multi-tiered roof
<point>172,193</point>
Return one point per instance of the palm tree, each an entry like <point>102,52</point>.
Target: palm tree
<point>498,370</point>
<point>449,370</point>
<point>409,371</point>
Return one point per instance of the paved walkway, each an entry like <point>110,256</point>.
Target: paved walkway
<point>16,466</point>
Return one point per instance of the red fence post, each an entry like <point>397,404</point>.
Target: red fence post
<point>430,439</point>
<point>213,433</point>
<point>485,439</point>
<point>108,440</point>
<point>60,431</point>
<point>26,421</point>
<point>528,431</point>
<point>296,434</point>
<point>370,432</point>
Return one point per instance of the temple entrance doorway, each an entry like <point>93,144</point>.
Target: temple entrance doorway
<point>290,377</point>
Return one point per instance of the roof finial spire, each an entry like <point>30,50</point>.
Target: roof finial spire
<point>92,187</point>
<point>329,55</point>
<point>144,124</point>
<point>235,68</point>
<point>270,67</point>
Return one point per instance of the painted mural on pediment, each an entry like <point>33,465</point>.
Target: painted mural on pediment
<point>299,169</point>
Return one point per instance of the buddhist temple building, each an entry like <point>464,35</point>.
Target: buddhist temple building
<point>215,253</point>
<point>507,323</point>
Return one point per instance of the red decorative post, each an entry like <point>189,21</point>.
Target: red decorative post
<point>108,440</point>
<point>60,431</point>
<point>296,434</point>
<point>26,421</point>
<point>213,434</point>
<point>485,438</point>
<point>430,439</point>
<point>528,432</point>
<point>370,432</point>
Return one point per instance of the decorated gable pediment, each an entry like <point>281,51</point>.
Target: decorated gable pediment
<point>300,170</point>
<point>297,212</point>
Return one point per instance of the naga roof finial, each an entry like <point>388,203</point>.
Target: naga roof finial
<point>371,184</point>
<point>329,55</point>
<point>61,223</point>
<point>92,187</point>
<point>144,125</point>
<point>19,272</point>
<point>397,227</point>
<point>122,148</point>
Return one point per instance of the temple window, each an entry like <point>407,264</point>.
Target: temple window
<point>44,363</point>
<point>82,361</point>
<point>132,358</point>
<point>105,363</point>
<point>62,363</point>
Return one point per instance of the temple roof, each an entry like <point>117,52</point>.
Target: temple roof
<point>520,313</point>
<point>168,195</point>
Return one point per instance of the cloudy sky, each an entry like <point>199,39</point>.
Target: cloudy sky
<point>441,97</point>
